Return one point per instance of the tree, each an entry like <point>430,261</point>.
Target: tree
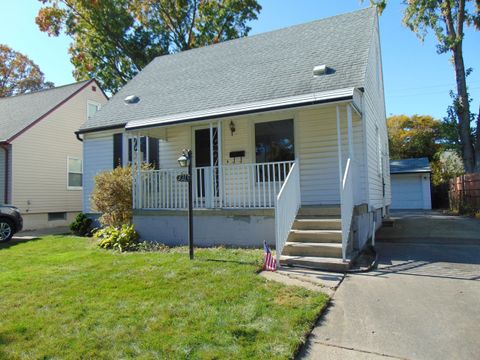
<point>448,19</point>
<point>413,137</point>
<point>112,40</point>
<point>19,74</point>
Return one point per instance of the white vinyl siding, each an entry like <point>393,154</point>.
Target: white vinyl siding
<point>318,153</point>
<point>98,157</point>
<point>376,142</point>
<point>39,169</point>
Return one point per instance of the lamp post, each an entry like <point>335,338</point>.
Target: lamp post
<point>185,160</point>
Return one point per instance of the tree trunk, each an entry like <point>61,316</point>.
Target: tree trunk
<point>463,110</point>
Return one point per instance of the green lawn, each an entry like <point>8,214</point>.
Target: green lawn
<point>62,298</point>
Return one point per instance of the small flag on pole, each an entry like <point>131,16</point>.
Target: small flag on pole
<point>269,261</point>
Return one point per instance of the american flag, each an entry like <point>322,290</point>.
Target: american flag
<point>269,262</point>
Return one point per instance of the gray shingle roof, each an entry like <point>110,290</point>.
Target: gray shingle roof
<point>18,112</point>
<point>261,67</point>
<point>417,165</point>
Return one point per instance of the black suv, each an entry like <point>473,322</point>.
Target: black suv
<point>11,222</point>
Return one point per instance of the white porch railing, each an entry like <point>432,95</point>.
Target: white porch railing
<point>286,208</point>
<point>347,204</point>
<point>229,186</point>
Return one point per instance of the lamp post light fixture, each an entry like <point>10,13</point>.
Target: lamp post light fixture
<point>185,160</point>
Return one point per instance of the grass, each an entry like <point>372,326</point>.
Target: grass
<point>62,298</point>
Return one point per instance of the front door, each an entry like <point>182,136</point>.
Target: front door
<point>206,171</point>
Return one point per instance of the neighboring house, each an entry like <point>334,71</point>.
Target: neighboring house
<point>285,124</point>
<point>411,184</point>
<point>40,156</point>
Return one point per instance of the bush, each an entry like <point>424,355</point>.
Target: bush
<point>82,225</point>
<point>112,196</point>
<point>123,238</point>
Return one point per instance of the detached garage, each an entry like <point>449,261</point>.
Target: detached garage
<point>410,184</point>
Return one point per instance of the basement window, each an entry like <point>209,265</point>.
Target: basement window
<point>53,216</point>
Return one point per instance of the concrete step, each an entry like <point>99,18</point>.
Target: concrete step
<point>320,263</point>
<point>320,210</point>
<point>317,224</point>
<point>324,249</point>
<point>315,236</point>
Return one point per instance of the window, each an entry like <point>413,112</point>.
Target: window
<point>75,173</point>
<point>57,216</point>
<point>149,150</point>
<point>273,143</point>
<point>92,108</point>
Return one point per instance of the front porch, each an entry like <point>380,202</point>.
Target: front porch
<point>309,162</point>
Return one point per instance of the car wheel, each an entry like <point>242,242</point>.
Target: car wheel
<point>6,230</point>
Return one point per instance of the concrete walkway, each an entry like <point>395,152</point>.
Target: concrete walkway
<point>421,303</point>
<point>31,234</point>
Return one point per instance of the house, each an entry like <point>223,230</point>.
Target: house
<point>411,184</point>
<point>288,135</point>
<point>40,157</point>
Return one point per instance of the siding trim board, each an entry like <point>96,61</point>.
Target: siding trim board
<point>6,155</point>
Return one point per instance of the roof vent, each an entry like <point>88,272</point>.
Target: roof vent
<point>320,70</point>
<point>131,99</point>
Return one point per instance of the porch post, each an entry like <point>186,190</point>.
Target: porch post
<point>139,182</point>
<point>220,160</point>
<point>350,132</point>
<point>339,146</point>
<point>212,166</point>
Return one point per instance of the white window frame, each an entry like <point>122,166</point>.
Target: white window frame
<point>68,172</point>
<point>91,102</point>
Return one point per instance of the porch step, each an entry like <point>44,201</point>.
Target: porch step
<point>325,249</point>
<point>315,236</point>
<point>320,210</point>
<point>302,223</point>
<point>317,262</point>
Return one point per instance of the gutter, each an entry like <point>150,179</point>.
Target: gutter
<point>99,128</point>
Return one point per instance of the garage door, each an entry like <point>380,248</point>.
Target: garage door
<point>407,192</point>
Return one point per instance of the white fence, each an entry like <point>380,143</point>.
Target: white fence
<point>228,186</point>
<point>287,205</point>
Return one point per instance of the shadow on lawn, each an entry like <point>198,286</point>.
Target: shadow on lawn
<point>231,261</point>
<point>3,341</point>
<point>14,242</point>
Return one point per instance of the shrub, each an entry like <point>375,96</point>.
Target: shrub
<point>112,196</point>
<point>82,225</point>
<point>123,238</point>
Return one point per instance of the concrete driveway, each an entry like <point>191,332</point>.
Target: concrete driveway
<point>423,301</point>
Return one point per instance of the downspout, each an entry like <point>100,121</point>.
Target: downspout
<point>77,134</point>
<point>5,147</point>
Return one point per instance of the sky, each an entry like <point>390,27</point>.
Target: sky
<point>417,79</point>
